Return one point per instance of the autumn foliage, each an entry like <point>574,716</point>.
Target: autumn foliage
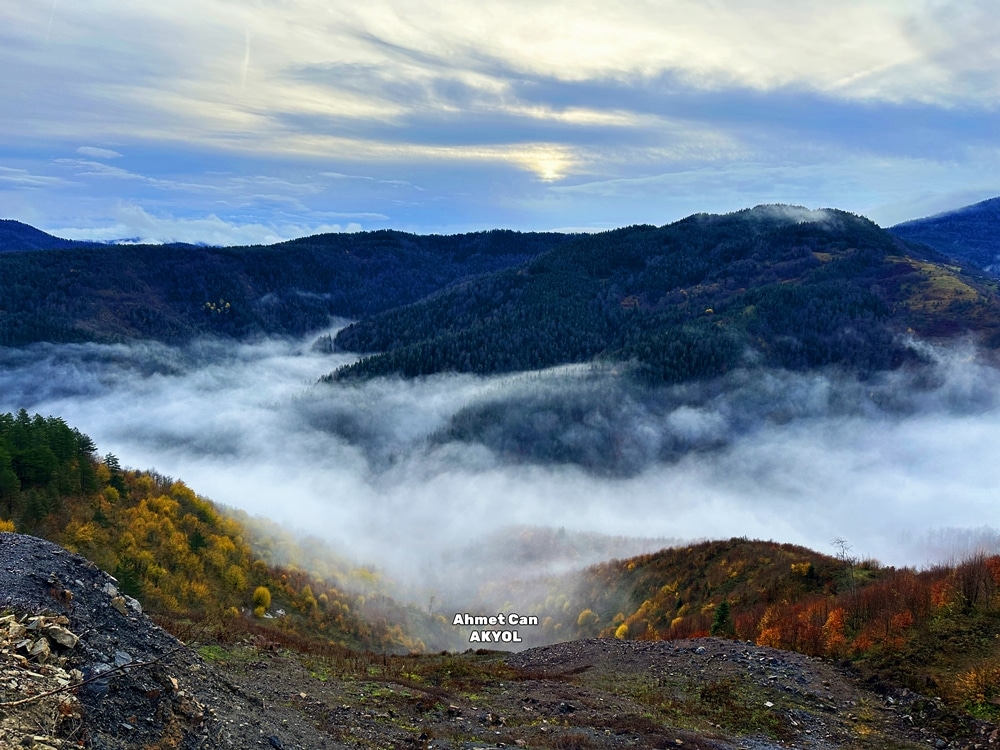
<point>178,553</point>
<point>932,629</point>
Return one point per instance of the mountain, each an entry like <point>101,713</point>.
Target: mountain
<point>971,234</point>
<point>773,285</point>
<point>88,292</point>
<point>18,237</point>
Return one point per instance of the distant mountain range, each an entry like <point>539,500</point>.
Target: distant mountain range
<point>775,285</point>
<point>63,291</point>
<point>971,233</point>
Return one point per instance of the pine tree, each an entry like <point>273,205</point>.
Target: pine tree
<point>722,625</point>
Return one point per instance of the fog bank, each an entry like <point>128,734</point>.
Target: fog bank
<point>402,473</point>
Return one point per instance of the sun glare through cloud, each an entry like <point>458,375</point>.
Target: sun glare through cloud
<point>739,100</point>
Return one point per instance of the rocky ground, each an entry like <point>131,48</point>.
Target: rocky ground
<point>80,665</point>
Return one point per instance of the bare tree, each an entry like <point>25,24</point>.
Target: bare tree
<point>849,561</point>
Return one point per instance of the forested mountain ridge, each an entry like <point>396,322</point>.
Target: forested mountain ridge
<point>16,236</point>
<point>971,233</point>
<point>776,285</point>
<point>62,291</point>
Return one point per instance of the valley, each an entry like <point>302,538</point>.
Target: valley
<point>401,375</point>
<point>774,426</point>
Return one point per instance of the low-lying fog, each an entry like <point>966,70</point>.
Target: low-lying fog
<point>399,472</point>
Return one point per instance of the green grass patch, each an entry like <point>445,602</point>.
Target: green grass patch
<point>214,653</point>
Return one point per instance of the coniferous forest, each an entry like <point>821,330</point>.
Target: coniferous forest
<point>692,300</point>
<point>60,291</point>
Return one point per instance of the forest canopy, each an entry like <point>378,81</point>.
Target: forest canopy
<point>693,299</point>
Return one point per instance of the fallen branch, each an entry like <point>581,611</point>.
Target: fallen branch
<point>103,675</point>
<point>95,678</point>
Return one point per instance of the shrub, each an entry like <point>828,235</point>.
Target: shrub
<point>261,598</point>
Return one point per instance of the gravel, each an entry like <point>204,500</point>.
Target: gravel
<point>108,678</point>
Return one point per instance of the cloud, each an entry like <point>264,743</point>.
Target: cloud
<point>797,214</point>
<point>388,60</point>
<point>341,176</point>
<point>134,224</point>
<point>959,40</point>
<point>22,178</point>
<point>853,49</point>
<point>98,153</point>
<point>372,215</point>
<point>887,190</point>
<point>86,168</point>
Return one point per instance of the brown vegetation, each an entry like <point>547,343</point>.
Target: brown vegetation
<point>934,630</point>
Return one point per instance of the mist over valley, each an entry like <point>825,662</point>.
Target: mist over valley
<point>401,473</point>
<point>778,373</point>
<point>399,375</point>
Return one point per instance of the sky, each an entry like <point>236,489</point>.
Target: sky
<point>253,121</point>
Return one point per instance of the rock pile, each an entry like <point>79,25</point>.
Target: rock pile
<point>82,666</point>
<point>80,663</point>
<point>35,678</point>
<point>37,637</point>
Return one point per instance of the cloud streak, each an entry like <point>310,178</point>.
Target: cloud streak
<point>95,152</point>
<point>134,225</point>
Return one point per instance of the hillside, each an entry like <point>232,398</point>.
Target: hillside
<point>971,234</point>
<point>773,285</point>
<point>674,592</point>
<point>185,558</point>
<point>931,631</point>
<point>70,292</point>
<point>18,237</point>
<point>84,666</point>
<point>227,578</point>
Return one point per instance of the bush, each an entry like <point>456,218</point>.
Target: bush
<point>261,598</point>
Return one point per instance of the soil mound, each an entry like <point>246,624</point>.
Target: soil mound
<point>80,664</point>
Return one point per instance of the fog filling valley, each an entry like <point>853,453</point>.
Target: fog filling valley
<point>412,476</point>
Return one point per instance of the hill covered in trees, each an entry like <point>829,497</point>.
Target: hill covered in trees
<point>971,233</point>
<point>62,291</point>
<point>18,237</point>
<point>773,285</point>
<point>933,630</point>
<point>185,558</point>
